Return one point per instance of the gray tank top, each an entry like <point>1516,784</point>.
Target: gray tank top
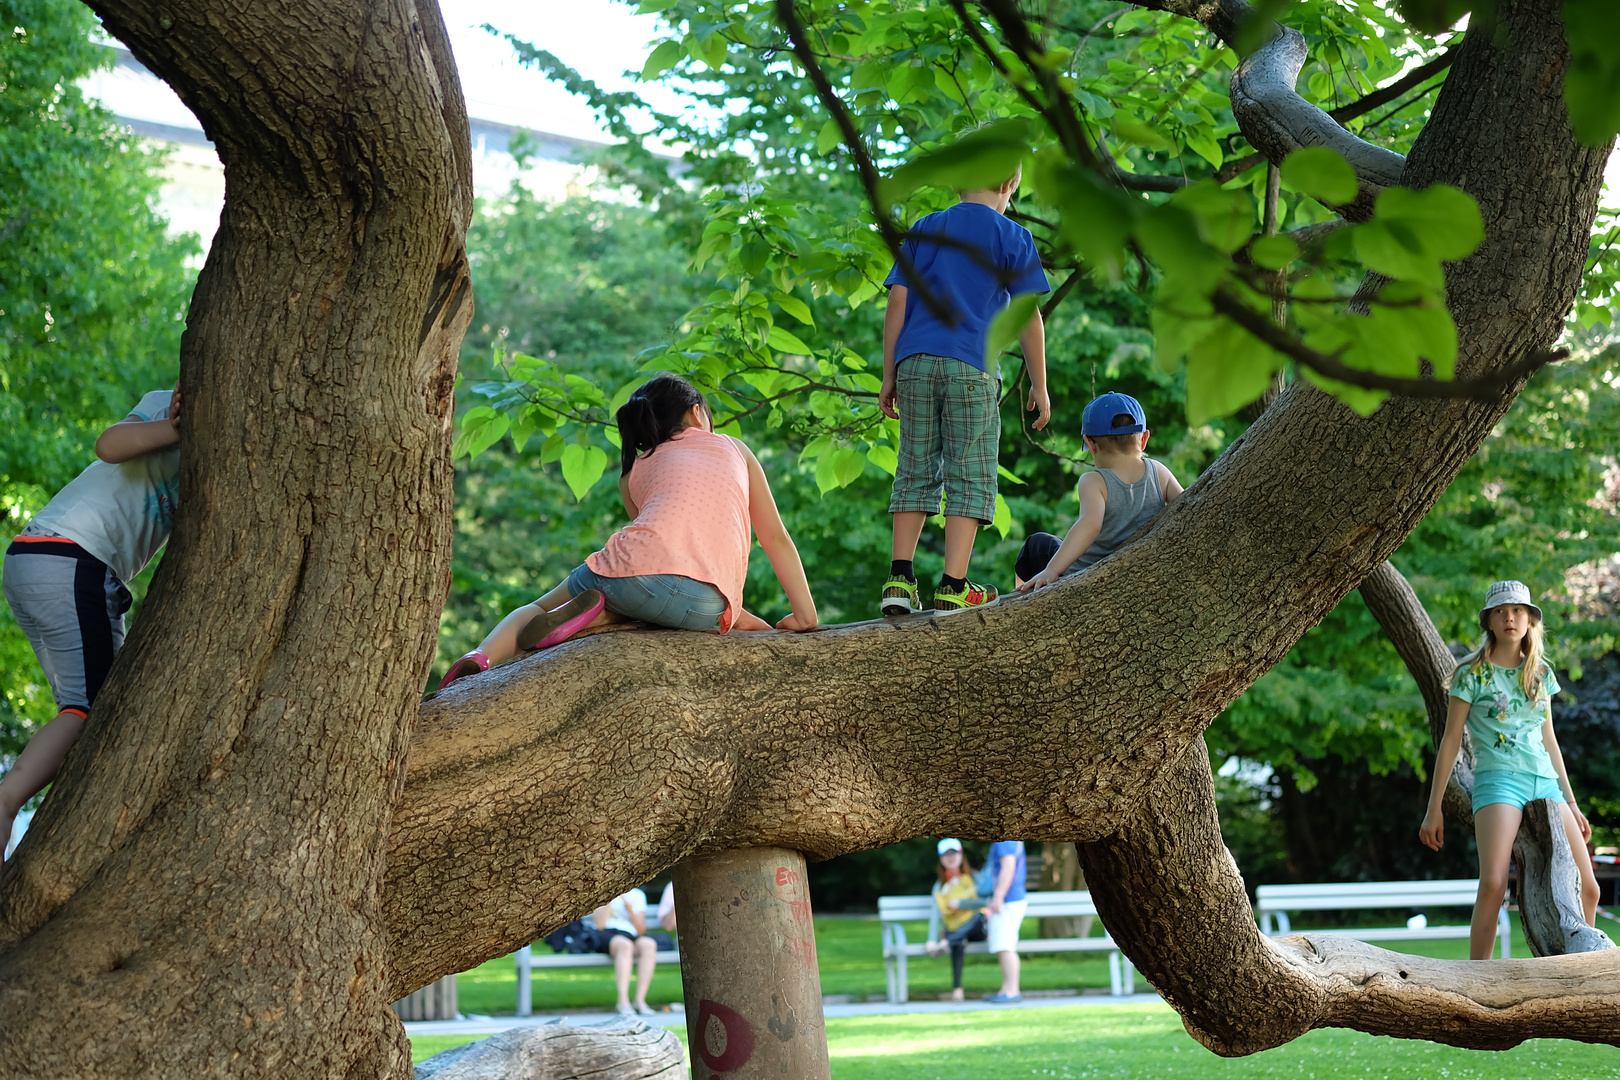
<point>1129,507</point>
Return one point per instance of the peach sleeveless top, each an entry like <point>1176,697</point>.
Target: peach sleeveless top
<point>693,495</point>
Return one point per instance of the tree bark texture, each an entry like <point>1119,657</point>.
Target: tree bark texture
<point>851,738</point>
<point>200,894</point>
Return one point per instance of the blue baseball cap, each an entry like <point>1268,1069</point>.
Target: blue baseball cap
<point>949,844</point>
<point>1098,419</point>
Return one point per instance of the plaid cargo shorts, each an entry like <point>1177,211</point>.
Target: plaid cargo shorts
<point>950,437</point>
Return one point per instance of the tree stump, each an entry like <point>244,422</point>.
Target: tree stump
<point>625,1048</point>
<point>1550,886</point>
<point>748,966</point>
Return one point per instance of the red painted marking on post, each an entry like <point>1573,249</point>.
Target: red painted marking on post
<point>784,876</point>
<point>739,1037</point>
<point>800,909</point>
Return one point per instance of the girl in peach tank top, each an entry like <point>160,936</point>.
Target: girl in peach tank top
<point>692,495</point>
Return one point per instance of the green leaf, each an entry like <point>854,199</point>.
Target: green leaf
<point>848,463</point>
<point>983,158</point>
<point>829,137</point>
<point>826,474</point>
<point>783,341</point>
<point>1322,174</point>
<point>1445,220</point>
<point>1008,475</point>
<point>1002,520</point>
<point>1274,252</point>
<point>1226,370</point>
<point>1592,80</point>
<point>666,56</point>
<point>1134,131</point>
<point>754,256</point>
<point>582,467</point>
<point>525,425</point>
<point>1433,16</point>
<point>1225,218</point>
<point>795,307</point>
<point>1008,326</point>
<point>884,457</point>
<point>1096,217</point>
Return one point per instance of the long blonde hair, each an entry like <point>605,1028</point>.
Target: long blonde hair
<point>1532,649</point>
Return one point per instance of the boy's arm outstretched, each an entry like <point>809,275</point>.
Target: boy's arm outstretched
<point>778,545</point>
<point>1082,534</point>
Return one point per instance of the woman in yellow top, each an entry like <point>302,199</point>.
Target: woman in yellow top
<point>956,894</point>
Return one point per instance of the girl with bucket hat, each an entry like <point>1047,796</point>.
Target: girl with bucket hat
<point>1502,694</point>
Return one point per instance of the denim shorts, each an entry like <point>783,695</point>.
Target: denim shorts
<point>671,600</point>
<point>1513,787</point>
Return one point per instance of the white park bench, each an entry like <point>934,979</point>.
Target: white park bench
<point>895,911</point>
<point>1274,902</point>
<point>526,960</point>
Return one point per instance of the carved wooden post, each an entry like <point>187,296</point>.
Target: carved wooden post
<point>748,966</point>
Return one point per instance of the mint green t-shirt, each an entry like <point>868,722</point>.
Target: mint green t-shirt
<point>1504,723</point>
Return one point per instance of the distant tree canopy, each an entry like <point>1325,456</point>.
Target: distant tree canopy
<point>93,291</point>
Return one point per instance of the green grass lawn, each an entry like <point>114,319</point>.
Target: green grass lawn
<point>850,962</point>
<point>1148,1042</point>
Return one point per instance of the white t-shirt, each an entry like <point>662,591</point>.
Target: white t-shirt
<point>122,514</point>
<point>620,907</point>
<point>666,903</point>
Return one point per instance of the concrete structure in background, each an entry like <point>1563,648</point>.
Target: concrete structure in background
<point>194,189</point>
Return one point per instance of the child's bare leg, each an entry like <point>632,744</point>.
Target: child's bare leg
<point>501,642</point>
<point>35,767</point>
<point>1495,826</point>
<point>1583,862</point>
<point>959,535</point>
<point>908,527</point>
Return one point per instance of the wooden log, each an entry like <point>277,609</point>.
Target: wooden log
<point>625,1048</point>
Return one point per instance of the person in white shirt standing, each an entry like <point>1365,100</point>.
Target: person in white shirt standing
<point>621,926</point>
<point>66,573</point>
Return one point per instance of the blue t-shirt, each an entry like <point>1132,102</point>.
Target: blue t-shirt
<point>1010,847</point>
<point>973,291</point>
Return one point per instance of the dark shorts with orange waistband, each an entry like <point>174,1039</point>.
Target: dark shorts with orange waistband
<point>71,607</point>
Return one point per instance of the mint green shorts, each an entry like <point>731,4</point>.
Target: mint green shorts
<point>1512,787</point>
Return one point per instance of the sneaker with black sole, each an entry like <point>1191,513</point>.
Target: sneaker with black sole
<point>969,595</point>
<point>900,597</point>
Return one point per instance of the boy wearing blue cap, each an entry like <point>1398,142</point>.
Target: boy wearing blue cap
<point>944,390</point>
<point>1116,499</point>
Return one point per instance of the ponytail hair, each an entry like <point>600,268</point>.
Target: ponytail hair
<point>652,416</point>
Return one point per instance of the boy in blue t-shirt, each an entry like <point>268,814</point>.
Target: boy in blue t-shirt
<point>944,390</point>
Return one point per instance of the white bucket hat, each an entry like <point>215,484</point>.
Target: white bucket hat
<point>1506,592</point>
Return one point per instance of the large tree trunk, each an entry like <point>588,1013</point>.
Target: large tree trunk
<point>1102,685</point>
<point>200,895</point>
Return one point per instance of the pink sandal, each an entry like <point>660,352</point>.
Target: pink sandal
<point>471,664</point>
<point>555,627</point>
